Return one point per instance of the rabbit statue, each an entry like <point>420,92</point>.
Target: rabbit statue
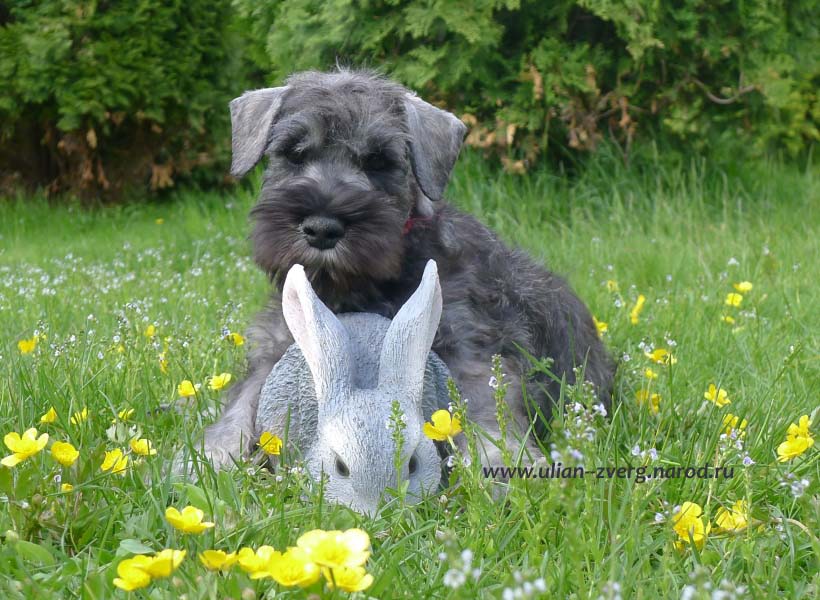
<point>332,392</point>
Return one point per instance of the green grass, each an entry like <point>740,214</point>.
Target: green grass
<point>679,232</point>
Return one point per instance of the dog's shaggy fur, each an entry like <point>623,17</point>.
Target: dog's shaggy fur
<point>361,153</point>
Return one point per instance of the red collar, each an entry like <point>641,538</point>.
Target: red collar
<point>412,222</point>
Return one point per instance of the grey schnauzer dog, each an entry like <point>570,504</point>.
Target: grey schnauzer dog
<point>354,193</point>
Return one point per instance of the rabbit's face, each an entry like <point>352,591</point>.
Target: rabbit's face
<point>355,452</point>
<point>354,447</point>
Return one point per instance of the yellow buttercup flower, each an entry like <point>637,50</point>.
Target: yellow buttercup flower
<point>654,400</point>
<point>235,338</point>
<point>792,448</point>
<point>115,462</point>
<point>216,560</point>
<point>150,331</point>
<point>798,440</point>
<point>728,319</point>
<point>732,423</point>
<point>189,520</point>
<point>125,414</point>
<point>247,560</point>
<point>255,563</point>
<point>137,572</point>
<point>64,453</point>
<point>293,568</point>
<point>600,326</point>
<point>66,488</point>
<point>717,395</point>
<point>348,579</point>
<point>218,382</point>
<point>688,523</point>
<point>443,426</point>
<point>661,356</point>
<point>270,443</point>
<point>735,518</point>
<point>164,563</point>
<point>335,549</point>
<point>743,287</point>
<point>23,446</point>
<point>132,575</point>
<point>27,346</point>
<point>733,299</point>
<point>163,363</point>
<point>50,416</point>
<point>143,447</point>
<point>636,310</point>
<point>611,285</point>
<point>801,429</point>
<point>650,374</point>
<point>186,389</point>
<point>80,416</point>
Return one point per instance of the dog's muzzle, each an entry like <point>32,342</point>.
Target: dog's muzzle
<point>322,232</point>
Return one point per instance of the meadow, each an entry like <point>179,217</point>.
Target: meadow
<point>105,312</point>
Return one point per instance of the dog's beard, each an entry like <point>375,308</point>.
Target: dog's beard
<point>370,250</point>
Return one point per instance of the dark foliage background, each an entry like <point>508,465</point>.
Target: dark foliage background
<point>102,97</point>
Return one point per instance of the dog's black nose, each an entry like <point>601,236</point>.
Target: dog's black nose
<point>322,232</point>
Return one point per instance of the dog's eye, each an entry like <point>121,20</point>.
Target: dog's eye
<point>413,465</point>
<point>376,162</point>
<point>294,155</point>
<point>341,468</point>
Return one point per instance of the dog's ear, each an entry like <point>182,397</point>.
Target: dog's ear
<point>435,141</point>
<point>252,116</point>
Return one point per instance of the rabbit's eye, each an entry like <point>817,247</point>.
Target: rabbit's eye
<point>413,465</point>
<point>341,468</point>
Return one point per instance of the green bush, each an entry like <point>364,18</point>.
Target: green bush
<point>567,73</point>
<point>102,96</point>
<point>98,97</point>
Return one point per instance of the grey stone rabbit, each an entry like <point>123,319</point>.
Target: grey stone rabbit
<point>332,392</point>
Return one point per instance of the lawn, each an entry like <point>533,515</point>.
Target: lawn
<point>122,304</point>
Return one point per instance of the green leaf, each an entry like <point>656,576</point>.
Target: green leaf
<point>33,552</point>
<point>196,496</point>
<point>6,481</point>
<point>130,546</point>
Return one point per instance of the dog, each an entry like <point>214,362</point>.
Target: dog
<point>354,192</point>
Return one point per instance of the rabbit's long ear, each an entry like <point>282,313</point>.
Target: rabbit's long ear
<point>321,337</point>
<point>409,338</point>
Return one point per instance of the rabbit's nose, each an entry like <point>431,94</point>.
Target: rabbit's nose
<point>322,232</point>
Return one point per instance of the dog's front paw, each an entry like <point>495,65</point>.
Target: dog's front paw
<point>220,457</point>
<point>189,466</point>
<point>183,467</point>
<point>224,446</point>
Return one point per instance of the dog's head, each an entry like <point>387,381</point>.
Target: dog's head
<point>352,157</point>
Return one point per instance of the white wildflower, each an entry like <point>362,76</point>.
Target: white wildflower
<point>454,579</point>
